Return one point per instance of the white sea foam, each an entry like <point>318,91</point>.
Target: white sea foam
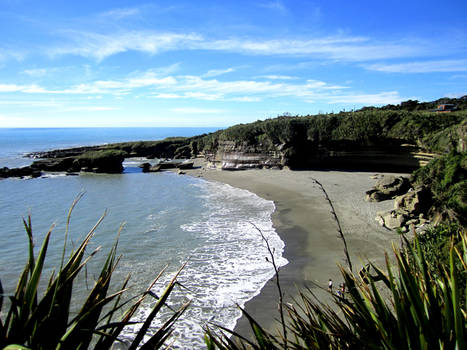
<point>229,268</point>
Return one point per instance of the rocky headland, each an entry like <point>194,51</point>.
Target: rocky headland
<point>388,139</point>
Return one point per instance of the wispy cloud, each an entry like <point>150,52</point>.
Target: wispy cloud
<point>89,109</point>
<point>421,66</point>
<point>347,48</point>
<point>194,110</point>
<point>30,103</point>
<point>117,14</point>
<point>274,5</point>
<point>33,88</point>
<point>390,97</point>
<point>199,88</point>
<point>6,55</point>
<point>101,46</point>
<point>336,48</point>
<point>35,73</point>
<point>217,72</point>
<point>277,77</point>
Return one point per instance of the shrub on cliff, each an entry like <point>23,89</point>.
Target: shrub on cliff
<point>361,128</point>
<point>446,177</point>
<point>105,161</point>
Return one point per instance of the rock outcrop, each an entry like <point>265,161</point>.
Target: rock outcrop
<point>387,187</point>
<point>26,171</point>
<point>410,209</point>
<point>91,161</point>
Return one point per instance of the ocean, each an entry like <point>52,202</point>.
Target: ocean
<point>167,220</point>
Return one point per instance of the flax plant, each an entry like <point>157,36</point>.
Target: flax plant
<point>45,321</point>
<point>410,307</point>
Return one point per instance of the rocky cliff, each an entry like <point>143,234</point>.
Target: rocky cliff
<point>374,139</point>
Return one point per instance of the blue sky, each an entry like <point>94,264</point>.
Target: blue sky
<point>219,63</point>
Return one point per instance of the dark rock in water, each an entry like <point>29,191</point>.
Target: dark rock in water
<point>26,171</point>
<point>95,161</point>
<point>145,167</point>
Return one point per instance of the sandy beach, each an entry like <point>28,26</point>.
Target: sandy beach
<point>304,222</point>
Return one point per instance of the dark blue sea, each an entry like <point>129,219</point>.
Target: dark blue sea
<point>167,219</point>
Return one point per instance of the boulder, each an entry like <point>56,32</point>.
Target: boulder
<point>409,210</point>
<point>376,196</point>
<point>391,185</point>
<point>387,187</point>
<point>394,219</point>
<point>415,202</point>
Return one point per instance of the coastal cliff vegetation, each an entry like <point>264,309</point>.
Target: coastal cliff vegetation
<point>390,138</point>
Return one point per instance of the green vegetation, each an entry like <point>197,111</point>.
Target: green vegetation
<point>361,128</point>
<point>43,322</point>
<point>101,155</point>
<point>418,304</point>
<point>446,176</point>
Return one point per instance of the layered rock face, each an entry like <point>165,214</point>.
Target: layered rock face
<point>235,156</point>
<point>231,155</point>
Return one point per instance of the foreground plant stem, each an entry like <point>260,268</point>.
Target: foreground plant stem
<point>339,228</point>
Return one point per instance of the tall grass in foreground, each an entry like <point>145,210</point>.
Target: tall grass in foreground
<point>45,321</point>
<point>417,305</point>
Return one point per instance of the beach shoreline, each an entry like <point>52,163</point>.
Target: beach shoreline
<point>303,220</point>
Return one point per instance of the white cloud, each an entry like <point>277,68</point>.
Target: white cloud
<point>456,94</point>
<point>168,96</point>
<point>340,48</point>
<point>117,14</point>
<point>89,109</point>
<point>217,72</point>
<point>391,97</point>
<point>101,46</point>
<point>277,77</point>
<point>347,48</point>
<point>149,84</point>
<point>35,73</point>
<point>194,110</point>
<point>421,66</point>
<point>30,103</point>
<point>33,88</point>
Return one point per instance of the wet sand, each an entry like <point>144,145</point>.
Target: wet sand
<point>304,221</point>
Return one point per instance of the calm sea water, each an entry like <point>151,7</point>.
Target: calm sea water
<point>167,220</point>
